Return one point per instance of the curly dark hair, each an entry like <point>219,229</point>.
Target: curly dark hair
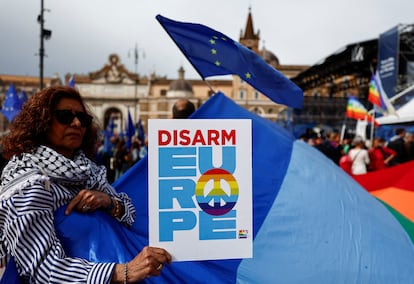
<point>30,126</point>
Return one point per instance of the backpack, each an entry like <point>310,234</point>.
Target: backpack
<point>345,162</point>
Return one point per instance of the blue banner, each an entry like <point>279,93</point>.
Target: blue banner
<point>388,60</point>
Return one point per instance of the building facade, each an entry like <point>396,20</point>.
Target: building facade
<point>113,91</point>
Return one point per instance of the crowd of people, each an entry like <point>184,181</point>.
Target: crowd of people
<point>364,155</point>
<point>117,157</point>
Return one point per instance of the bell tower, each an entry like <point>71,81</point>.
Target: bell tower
<point>249,38</point>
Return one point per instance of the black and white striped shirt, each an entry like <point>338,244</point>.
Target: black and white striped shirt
<point>27,232</point>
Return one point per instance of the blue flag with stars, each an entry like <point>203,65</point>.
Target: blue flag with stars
<point>108,133</point>
<point>141,133</point>
<point>130,131</point>
<point>12,104</point>
<point>71,82</point>
<point>212,53</point>
<point>22,97</point>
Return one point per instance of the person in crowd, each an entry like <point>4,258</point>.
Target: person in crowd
<point>303,138</point>
<point>327,148</point>
<point>308,136</point>
<point>396,143</point>
<point>359,156</point>
<point>319,142</point>
<point>108,159</point>
<point>409,146</point>
<point>335,146</point>
<point>99,153</point>
<point>122,158</point>
<point>3,160</point>
<point>134,152</point>
<point>346,144</point>
<point>379,154</point>
<point>50,147</point>
<point>143,151</point>
<point>182,108</point>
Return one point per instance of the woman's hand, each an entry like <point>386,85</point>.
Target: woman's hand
<point>149,262</point>
<point>88,201</point>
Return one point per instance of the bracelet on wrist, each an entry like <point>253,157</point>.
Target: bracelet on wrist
<point>111,205</point>
<point>116,211</point>
<point>126,273</point>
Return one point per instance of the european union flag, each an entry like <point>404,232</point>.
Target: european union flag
<point>212,53</point>
<point>130,131</point>
<point>71,82</point>
<point>141,133</point>
<point>12,104</point>
<point>22,97</point>
<point>108,133</point>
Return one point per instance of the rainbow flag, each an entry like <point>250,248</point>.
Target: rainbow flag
<point>356,110</point>
<point>394,187</point>
<point>374,95</point>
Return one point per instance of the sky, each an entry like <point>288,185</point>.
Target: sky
<point>86,32</point>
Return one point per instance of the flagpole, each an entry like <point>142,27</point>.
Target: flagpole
<point>209,86</point>
<point>342,133</point>
<point>136,83</point>
<point>41,50</point>
<point>372,125</point>
<point>345,121</point>
<point>136,57</point>
<point>44,34</point>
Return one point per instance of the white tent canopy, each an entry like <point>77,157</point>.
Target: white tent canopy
<point>403,115</point>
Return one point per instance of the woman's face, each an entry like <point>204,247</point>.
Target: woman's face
<point>69,122</point>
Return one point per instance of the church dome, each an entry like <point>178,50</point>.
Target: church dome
<point>269,57</point>
<point>180,87</point>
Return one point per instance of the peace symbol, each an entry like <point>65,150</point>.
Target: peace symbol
<point>217,192</point>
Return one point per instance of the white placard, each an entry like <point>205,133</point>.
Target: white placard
<point>200,187</point>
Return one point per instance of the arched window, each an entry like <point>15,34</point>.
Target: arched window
<point>242,94</point>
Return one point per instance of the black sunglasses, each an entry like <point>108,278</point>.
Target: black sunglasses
<point>66,116</point>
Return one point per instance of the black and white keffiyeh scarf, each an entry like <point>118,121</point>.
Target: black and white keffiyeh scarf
<point>46,165</point>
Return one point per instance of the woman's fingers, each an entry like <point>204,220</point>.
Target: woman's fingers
<point>149,262</point>
<point>73,203</point>
<point>86,201</point>
<point>161,255</point>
